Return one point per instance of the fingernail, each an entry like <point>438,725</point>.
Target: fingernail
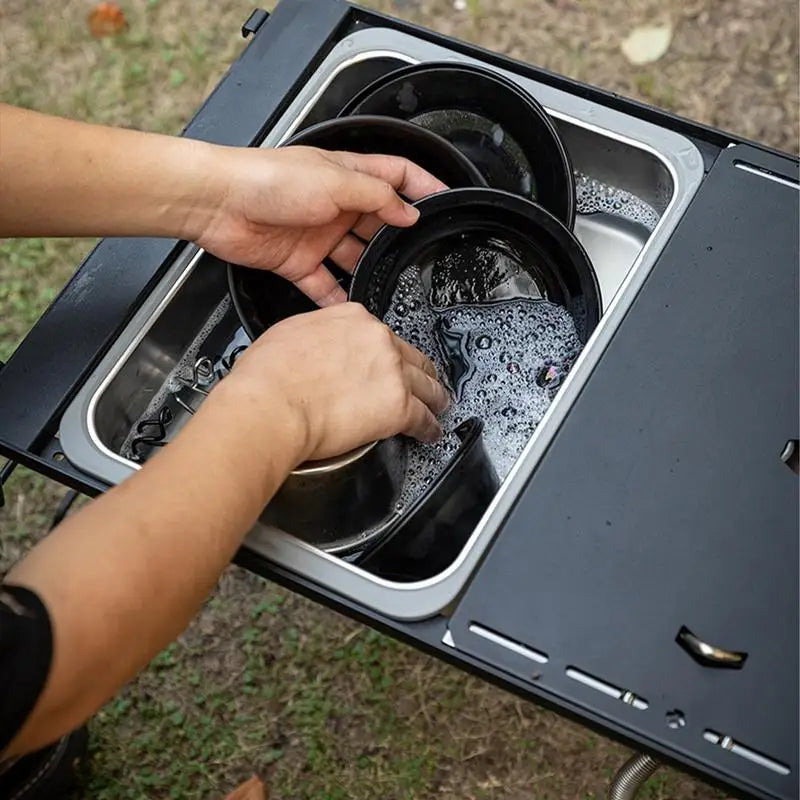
<point>412,213</point>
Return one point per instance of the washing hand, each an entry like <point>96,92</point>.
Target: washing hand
<point>285,210</point>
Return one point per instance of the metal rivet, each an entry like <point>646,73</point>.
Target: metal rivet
<point>675,719</point>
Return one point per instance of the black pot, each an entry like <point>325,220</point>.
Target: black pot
<point>470,243</point>
<point>260,298</point>
<point>498,126</point>
<point>435,529</point>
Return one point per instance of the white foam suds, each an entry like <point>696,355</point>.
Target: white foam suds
<point>503,361</point>
<point>592,196</point>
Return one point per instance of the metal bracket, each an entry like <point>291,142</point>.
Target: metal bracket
<point>5,474</point>
<point>254,22</point>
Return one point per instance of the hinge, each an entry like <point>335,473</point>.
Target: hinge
<point>254,22</point>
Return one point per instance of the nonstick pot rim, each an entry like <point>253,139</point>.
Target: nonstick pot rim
<point>515,123</point>
<point>456,202</point>
<point>470,433</point>
<point>393,125</point>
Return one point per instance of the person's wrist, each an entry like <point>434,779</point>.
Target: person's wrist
<point>276,426</point>
<point>219,174</point>
<point>206,185</point>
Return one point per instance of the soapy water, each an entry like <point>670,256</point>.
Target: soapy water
<point>593,196</point>
<point>502,360</point>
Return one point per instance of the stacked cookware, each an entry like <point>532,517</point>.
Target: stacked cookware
<point>511,192</point>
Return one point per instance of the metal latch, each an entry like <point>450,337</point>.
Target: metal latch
<point>708,654</point>
<point>254,22</point>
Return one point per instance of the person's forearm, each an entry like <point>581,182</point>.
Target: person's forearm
<point>124,576</point>
<point>64,178</point>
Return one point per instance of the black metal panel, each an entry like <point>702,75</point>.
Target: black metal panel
<point>663,500</point>
<point>76,330</point>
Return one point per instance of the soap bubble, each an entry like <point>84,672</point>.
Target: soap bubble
<point>593,196</point>
<point>503,345</point>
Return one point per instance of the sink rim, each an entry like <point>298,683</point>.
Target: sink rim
<point>681,161</point>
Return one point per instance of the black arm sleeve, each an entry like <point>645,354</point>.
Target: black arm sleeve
<point>26,650</point>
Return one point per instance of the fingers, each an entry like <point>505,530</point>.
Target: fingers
<point>422,424</point>
<point>347,252</point>
<point>321,287</point>
<point>427,389</point>
<point>416,357</point>
<point>401,174</point>
<point>363,193</point>
<point>384,179</point>
<point>367,226</point>
<point>429,396</point>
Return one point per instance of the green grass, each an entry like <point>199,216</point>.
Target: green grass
<point>215,716</point>
<point>32,272</point>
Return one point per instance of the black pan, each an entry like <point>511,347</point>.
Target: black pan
<point>435,529</point>
<point>503,130</point>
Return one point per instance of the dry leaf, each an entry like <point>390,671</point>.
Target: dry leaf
<point>249,790</point>
<point>647,43</point>
<point>106,19</point>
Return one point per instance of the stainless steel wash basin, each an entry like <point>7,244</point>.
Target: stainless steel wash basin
<point>189,314</point>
